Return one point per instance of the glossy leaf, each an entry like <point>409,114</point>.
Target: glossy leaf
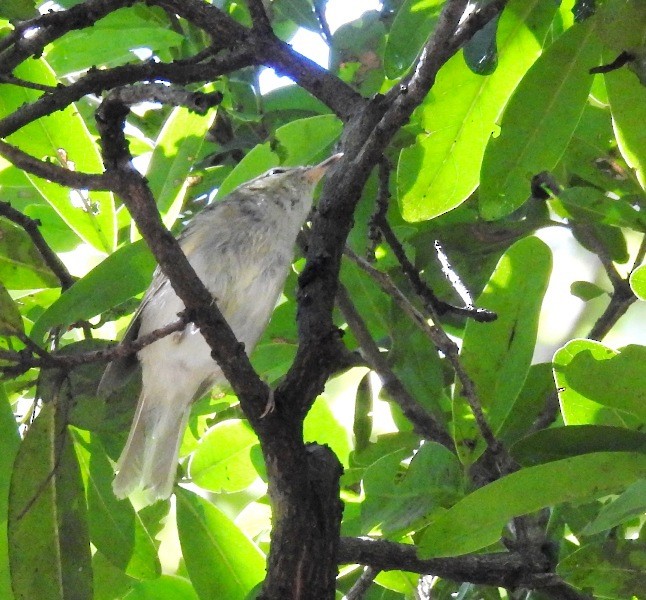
<point>539,121</point>
<point>10,444</point>
<point>562,442</point>
<point>221,562</point>
<point>613,569</point>
<point>629,505</point>
<point>497,355</point>
<point>457,532</point>
<point>49,545</point>
<point>575,407</point>
<point>256,162</point>
<point>123,274</point>
<point>176,148</point>
<point>442,169</point>
<point>586,291</point>
<point>628,104</point>
<point>64,138</point>
<point>222,459</point>
<point>115,528</point>
<point>413,24</point>
<point>111,41</point>
<point>322,427</point>
<point>21,265</point>
<point>10,319</point>
<point>606,377</point>
<point>308,140</point>
<point>590,205</point>
<point>638,282</point>
<point>166,587</point>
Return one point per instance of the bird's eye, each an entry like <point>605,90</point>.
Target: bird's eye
<point>276,171</point>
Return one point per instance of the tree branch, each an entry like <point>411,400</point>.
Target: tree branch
<point>31,227</point>
<point>424,424</point>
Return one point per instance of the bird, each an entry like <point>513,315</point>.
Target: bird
<point>242,248</point>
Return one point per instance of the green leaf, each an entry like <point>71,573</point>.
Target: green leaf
<point>539,121</point>
<point>577,408</point>
<point>18,9</point>
<point>638,282</point>
<point>123,274</point>
<point>115,528</point>
<point>10,319</point>
<point>222,460</point>
<point>363,411</point>
<point>629,505</point>
<point>617,380</point>
<point>590,205</point>
<point>111,41</point>
<point>308,140</point>
<point>256,162</point>
<point>221,561</point>
<point>417,364</point>
<point>562,442</point>
<point>49,545</point>
<point>611,570</point>
<point>434,479</point>
<point>109,582</point>
<point>497,355</point>
<point>413,24</point>
<point>176,148</point>
<point>530,403</point>
<point>10,444</point>
<point>167,587</point>
<point>627,98</point>
<point>322,427</point>
<point>63,138</point>
<point>21,265</point>
<point>481,51</point>
<point>300,12</point>
<point>457,532</point>
<point>586,291</point>
<point>442,169</point>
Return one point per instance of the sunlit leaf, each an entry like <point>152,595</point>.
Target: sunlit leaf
<point>456,532</point>
<point>539,121</point>
<point>459,116</point>
<point>221,562</point>
<point>497,355</point>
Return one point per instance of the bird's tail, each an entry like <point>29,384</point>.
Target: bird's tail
<point>149,459</point>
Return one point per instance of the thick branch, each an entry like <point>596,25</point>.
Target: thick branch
<point>95,82</point>
<point>365,139</point>
<point>511,570</point>
<point>134,191</point>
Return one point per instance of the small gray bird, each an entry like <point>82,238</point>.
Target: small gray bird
<point>241,248</point>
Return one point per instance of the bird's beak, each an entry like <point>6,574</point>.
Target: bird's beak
<point>314,174</point>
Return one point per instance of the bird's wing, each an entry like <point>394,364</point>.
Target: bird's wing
<point>121,369</point>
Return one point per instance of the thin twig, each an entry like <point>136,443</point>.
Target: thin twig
<point>13,80</point>
<point>420,287</point>
<point>31,227</point>
<point>446,345</point>
<point>53,172</point>
<point>424,423</point>
<point>362,585</point>
<point>71,361</point>
<point>319,11</point>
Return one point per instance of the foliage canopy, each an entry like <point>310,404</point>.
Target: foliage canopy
<point>467,142</point>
